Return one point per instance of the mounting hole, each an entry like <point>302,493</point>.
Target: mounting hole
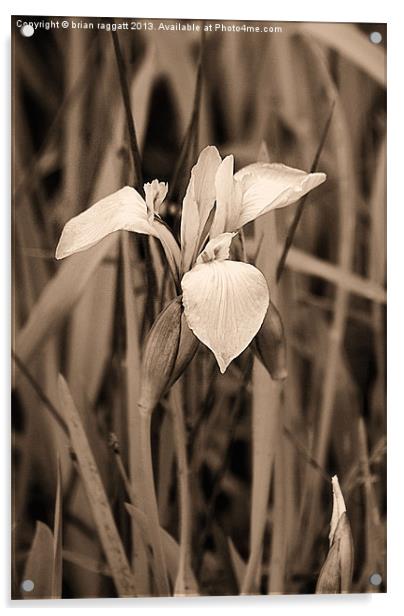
<point>376,38</point>
<point>27,30</point>
<point>375,579</point>
<point>27,585</point>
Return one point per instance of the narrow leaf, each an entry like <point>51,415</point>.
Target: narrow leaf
<point>170,546</point>
<point>95,491</point>
<point>57,538</point>
<point>39,565</point>
<point>239,566</point>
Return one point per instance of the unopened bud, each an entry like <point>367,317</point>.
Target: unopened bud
<point>187,348</point>
<point>160,353</point>
<point>269,344</point>
<point>336,573</point>
<point>170,346</point>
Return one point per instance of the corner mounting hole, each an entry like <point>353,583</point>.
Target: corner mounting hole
<point>27,30</point>
<point>375,579</point>
<point>27,585</point>
<point>376,38</point>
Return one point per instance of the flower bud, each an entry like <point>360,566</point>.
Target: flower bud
<point>160,354</point>
<point>269,344</point>
<point>336,573</point>
<point>187,348</point>
<point>170,346</point>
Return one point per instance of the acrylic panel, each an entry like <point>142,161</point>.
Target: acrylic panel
<point>199,344</point>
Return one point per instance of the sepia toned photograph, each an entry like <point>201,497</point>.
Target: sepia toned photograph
<point>198,308</point>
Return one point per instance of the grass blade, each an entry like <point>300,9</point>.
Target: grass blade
<point>40,564</point>
<point>59,296</point>
<point>354,45</point>
<point>170,546</point>
<point>108,534</point>
<point>265,423</point>
<point>57,538</point>
<point>132,320</point>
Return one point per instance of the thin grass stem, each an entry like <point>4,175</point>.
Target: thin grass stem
<point>300,207</point>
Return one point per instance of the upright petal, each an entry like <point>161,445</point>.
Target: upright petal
<point>225,304</point>
<point>217,249</point>
<point>122,210</point>
<point>155,193</point>
<point>267,186</point>
<point>228,199</point>
<point>198,202</point>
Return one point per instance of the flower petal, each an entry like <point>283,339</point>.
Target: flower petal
<point>217,249</point>
<point>122,210</point>
<point>225,304</point>
<point>198,202</point>
<point>267,186</point>
<point>228,199</point>
<point>155,193</point>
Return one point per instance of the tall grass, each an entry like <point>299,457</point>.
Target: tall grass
<point>242,464</point>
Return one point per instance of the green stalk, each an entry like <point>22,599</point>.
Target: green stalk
<point>150,504</point>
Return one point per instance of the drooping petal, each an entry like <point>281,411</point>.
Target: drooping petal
<point>122,210</point>
<point>217,249</point>
<point>267,186</point>
<point>225,304</point>
<point>198,202</point>
<point>228,198</point>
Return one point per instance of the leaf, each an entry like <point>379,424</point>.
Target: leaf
<point>266,407</point>
<point>83,561</point>
<point>338,507</point>
<point>336,573</point>
<point>57,538</point>
<point>305,263</point>
<point>133,363</point>
<point>170,546</point>
<point>354,45</point>
<point>59,296</point>
<point>329,578</point>
<point>239,566</point>
<point>103,518</point>
<point>40,565</point>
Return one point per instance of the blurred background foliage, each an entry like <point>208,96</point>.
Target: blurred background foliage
<point>260,454</point>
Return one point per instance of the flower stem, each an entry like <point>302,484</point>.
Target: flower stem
<point>184,583</point>
<point>150,505</point>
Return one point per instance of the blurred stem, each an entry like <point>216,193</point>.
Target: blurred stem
<point>137,165</point>
<point>182,586</point>
<point>150,505</point>
<point>189,149</point>
<point>221,472</point>
<point>114,444</point>
<point>300,207</point>
<point>134,148</point>
<point>39,392</point>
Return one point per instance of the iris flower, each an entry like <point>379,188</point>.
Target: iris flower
<point>225,301</point>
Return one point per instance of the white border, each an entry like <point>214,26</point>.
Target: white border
<point>291,10</point>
